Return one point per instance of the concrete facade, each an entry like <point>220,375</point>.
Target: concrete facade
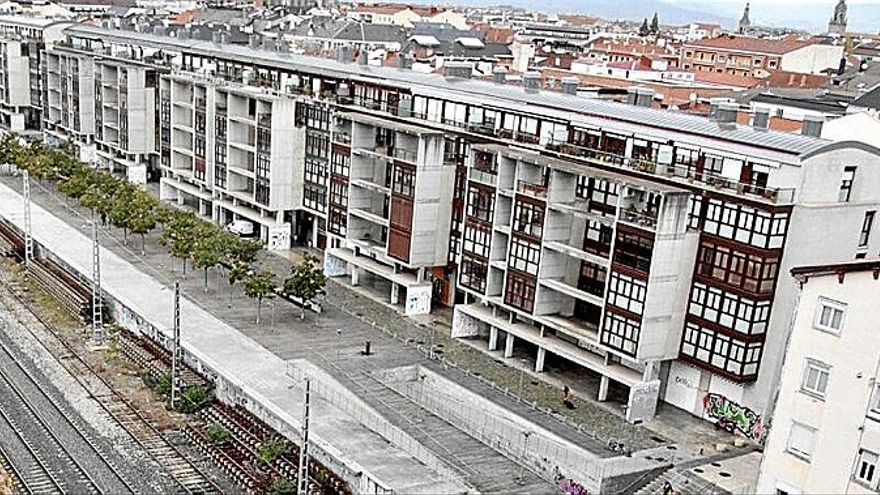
<point>826,435</point>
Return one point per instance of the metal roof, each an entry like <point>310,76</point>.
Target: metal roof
<point>29,21</point>
<point>578,110</point>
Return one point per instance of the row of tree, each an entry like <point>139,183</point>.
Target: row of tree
<point>187,237</point>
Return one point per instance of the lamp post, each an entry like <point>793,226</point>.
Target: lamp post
<point>525,456</point>
<point>338,343</point>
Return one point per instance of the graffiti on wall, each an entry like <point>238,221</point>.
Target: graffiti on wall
<point>734,417</point>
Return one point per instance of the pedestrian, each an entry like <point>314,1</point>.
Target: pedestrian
<point>103,219</point>
<point>565,392</point>
<point>566,398</point>
<point>667,488</point>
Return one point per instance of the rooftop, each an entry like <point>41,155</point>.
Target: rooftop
<point>580,111</point>
<point>803,273</point>
<point>751,44</point>
<point>24,20</point>
<point>871,99</point>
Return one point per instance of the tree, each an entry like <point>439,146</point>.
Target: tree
<point>207,249</point>
<point>242,250</point>
<point>281,486</point>
<point>259,286</point>
<point>644,31</point>
<point>305,281</point>
<point>178,235</point>
<point>655,24</point>
<point>120,205</point>
<point>143,217</point>
<point>76,185</point>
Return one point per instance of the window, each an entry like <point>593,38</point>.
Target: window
<point>829,315</point>
<point>846,184</point>
<point>866,229</point>
<point>473,274</point>
<point>866,468</point>
<point>626,293</point>
<point>800,440</point>
<point>477,239</point>
<point>520,291</point>
<point>815,380</point>
<point>875,400</point>
<point>480,203</point>
<point>528,218</point>
<point>404,180</point>
<point>525,255</point>
<point>620,333</point>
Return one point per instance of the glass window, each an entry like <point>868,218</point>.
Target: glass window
<point>829,315</point>
<point>815,379</point>
<point>866,468</point>
<point>846,184</point>
<point>867,224</point>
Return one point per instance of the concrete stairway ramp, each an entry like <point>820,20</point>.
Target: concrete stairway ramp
<point>417,430</point>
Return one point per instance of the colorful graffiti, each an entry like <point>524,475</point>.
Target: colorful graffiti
<point>734,417</point>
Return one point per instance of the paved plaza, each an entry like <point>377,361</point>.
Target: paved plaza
<point>221,322</point>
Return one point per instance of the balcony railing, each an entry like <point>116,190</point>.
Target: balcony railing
<point>405,155</point>
<point>682,172</point>
<point>484,177</point>
<point>529,189</point>
<point>639,218</point>
<point>343,137</point>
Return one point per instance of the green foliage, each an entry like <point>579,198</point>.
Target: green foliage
<point>281,486</point>
<point>259,286</point>
<point>272,449</point>
<point>217,434</point>
<point>193,399</point>
<point>180,235</point>
<point>305,281</point>
<point>207,248</point>
<point>163,386</point>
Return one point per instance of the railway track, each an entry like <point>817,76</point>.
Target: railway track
<point>56,447</point>
<point>185,473</point>
<point>33,476</point>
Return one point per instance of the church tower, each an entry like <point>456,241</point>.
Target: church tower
<point>745,24</point>
<point>837,24</point>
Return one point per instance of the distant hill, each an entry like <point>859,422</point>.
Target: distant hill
<point>814,17</point>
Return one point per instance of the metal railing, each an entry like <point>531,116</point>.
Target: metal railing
<point>675,171</point>
<point>529,189</point>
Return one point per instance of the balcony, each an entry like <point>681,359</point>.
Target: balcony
<point>405,154</point>
<point>342,137</point>
<point>534,190</point>
<point>482,177</point>
<point>676,172</point>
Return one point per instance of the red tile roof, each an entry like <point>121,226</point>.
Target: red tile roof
<point>750,44</point>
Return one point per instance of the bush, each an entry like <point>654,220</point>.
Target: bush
<point>193,399</point>
<point>271,449</point>
<point>217,434</point>
<point>281,486</point>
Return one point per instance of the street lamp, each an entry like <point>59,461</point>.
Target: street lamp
<point>338,343</point>
<point>522,372</point>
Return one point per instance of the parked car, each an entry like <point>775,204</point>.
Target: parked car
<point>241,228</point>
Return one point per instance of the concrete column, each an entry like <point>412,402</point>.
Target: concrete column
<point>539,362</point>
<point>493,338</point>
<point>603,388</point>
<point>395,293</point>
<point>508,346</point>
<point>355,276</point>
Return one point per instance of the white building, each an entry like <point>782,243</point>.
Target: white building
<point>825,436</point>
<point>22,40</point>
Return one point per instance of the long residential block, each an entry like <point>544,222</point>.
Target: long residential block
<point>638,247</point>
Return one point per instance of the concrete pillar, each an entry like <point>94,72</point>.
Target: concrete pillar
<point>603,388</point>
<point>355,276</point>
<point>493,338</point>
<point>395,293</point>
<point>539,362</point>
<point>508,346</point>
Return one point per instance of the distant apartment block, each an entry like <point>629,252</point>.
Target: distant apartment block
<point>758,57</point>
<point>639,248</point>
<point>22,40</point>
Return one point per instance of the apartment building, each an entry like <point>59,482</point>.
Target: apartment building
<point>22,40</point>
<point>826,424</point>
<point>69,101</point>
<point>637,248</point>
<point>227,151</point>
<point>758,57</point>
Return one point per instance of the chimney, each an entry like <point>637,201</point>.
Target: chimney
<point>726,113</point>
<point>343,54</point>
<point>404,61</point>
<point>253,41</point>
<point>363,58</point>
<point>644,97</point>
<point>632,95</point>
<point>532,82</point>
<point>570,85</point>
<point>761,120</point>
<point>463,70</point>
<point>842,67</point>
<point>813,125</point>
<point>499,74</point>
<point>714,103</point>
